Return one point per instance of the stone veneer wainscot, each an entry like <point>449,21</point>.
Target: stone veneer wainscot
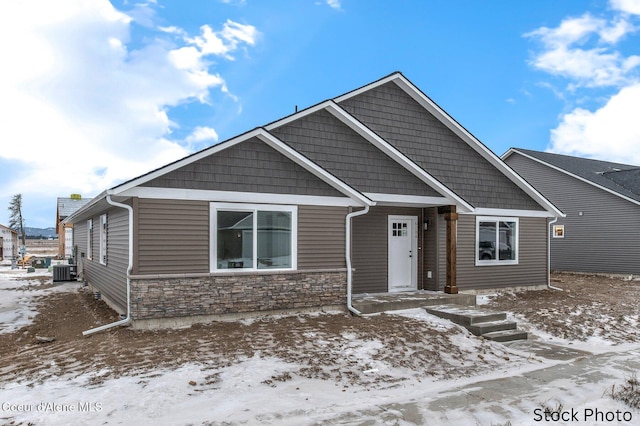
<point>183,295</point>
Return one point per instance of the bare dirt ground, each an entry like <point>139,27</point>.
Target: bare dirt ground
<point>600,306</point>
<point>320,345</point>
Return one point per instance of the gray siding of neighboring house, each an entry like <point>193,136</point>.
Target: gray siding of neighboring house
<point>531,269</point>
<point>173,237</point>
<point>249,166</point>
<point>334,146</point>
<point>370,248</point>
<point>110,279</point>
<point>605,238</point>
<point>397,118</point>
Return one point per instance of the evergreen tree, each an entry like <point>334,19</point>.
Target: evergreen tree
<point>16,220</point>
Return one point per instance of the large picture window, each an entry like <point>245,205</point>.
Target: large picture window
<point>496,240</point>
<point>253,236</point>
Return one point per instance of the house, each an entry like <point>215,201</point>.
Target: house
<point>8,243</point>
<point>376,190</point>
<point>601,230</point>
<point>65,208</point>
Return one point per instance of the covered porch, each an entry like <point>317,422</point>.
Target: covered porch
<point>405,249</point>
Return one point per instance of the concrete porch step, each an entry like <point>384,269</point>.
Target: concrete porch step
<point>465,315</point>
<point>506,335</point>
<point>375,303</point>
<point>483,328</point>
<point>480,322</point>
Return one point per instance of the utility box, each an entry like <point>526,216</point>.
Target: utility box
<point>39,263</point>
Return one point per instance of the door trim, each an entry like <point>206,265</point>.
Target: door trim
<point>414,253</point>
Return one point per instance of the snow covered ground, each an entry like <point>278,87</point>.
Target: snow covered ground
<point>574,378</point>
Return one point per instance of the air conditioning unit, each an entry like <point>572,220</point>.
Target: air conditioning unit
<point>61,273</point>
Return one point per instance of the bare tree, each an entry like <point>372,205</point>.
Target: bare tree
<point>16,221</point>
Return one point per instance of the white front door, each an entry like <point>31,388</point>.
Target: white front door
<point>402,257</point>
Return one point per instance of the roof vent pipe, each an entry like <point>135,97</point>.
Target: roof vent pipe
<point>126,319</point>
<point>348,257</point>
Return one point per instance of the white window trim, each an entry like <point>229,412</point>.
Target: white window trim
<point>241,207</point>
<point>89,239</point>
<point>555,231</point>
<point>496,219</point>
<point>103,239</point>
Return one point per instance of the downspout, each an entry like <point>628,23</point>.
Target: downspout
<point>127,319</point>
<point>348,257</point>
<point>549,286</point>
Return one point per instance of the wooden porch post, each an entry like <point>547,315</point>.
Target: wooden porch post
<point>451,217</point>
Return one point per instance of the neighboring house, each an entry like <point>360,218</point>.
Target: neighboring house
<point>8,243</point>
<point>65,208</point>
<point>365,192</point>
<point>601,200</point>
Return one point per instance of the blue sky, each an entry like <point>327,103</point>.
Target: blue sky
<point>97,92</point>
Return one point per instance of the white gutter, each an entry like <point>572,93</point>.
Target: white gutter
<point>127,319</point>
<point>549,286</point>
<point>348,257</point>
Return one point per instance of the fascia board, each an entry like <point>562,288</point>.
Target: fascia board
<point>312,167</point>
<point>367,87</point>
<point>296,116</point>
<point>408,200</point>
<point>561,170</point>
<point>482,211</point>
<point>394,154</point>
<point>471,140</point>
<point>146,192</point>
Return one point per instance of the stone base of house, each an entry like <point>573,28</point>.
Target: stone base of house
<point>178,297</point>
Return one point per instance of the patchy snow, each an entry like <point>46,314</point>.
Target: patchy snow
<point>262,389</point>
<point>19,291</point>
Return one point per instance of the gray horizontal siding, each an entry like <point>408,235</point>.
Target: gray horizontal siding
<point>370,249</point>
<point>321,236</point>
<point>605,238</point>
<point>172,236</point>
<point>338,149</point>
<point>250,166</point>
<point>532,266</point>
<point>401,121</point>
<point>110,279</point>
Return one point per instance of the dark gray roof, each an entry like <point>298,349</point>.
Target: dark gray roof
<point>621,178</point>
<point>68,206</point>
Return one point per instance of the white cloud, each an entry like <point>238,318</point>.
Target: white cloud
<point>582,49</point>
<point>224,42</point>
<point>334,4</point>
<point>610,133</point>
<point>202,134</point>
<point>93,108</point>
<point>627,6</point>
<point>587,52</point>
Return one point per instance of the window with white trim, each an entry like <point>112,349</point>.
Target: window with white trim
<point>103,239</point>
<point>496,240</point>
<point>253,236</point>
<point>90,239</point>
